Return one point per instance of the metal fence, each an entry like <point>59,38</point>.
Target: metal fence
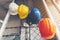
<point>30,33</point>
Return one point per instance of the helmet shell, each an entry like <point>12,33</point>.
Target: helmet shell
<point>47,28</point>
<point>23,11</point>
<point>34,16</point>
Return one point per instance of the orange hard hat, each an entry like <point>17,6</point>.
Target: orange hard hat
<point>47,28</point>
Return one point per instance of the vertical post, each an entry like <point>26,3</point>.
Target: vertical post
<point>27,33</point>
<point>26,38</point>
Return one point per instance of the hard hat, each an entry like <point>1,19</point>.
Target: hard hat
<point>37,13</point>
<point>13,8</point>
<point>34,16</point>
<point>47,28</point>
<point>23,11</point>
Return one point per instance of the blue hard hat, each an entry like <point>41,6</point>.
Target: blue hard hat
<point>34,16</point>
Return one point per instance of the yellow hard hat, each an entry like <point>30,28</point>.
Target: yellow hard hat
<point>23,11</point>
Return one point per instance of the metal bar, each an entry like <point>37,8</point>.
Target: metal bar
<point>50,16</point>
<point>26,38</point>
<point>4,25</point>
<point>29,34</point>
<point>20,31</point>
<point>10,35</point>
<point>1,21</point>
<point>56,5</point>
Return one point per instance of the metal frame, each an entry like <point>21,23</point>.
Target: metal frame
<point>50,16</point>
